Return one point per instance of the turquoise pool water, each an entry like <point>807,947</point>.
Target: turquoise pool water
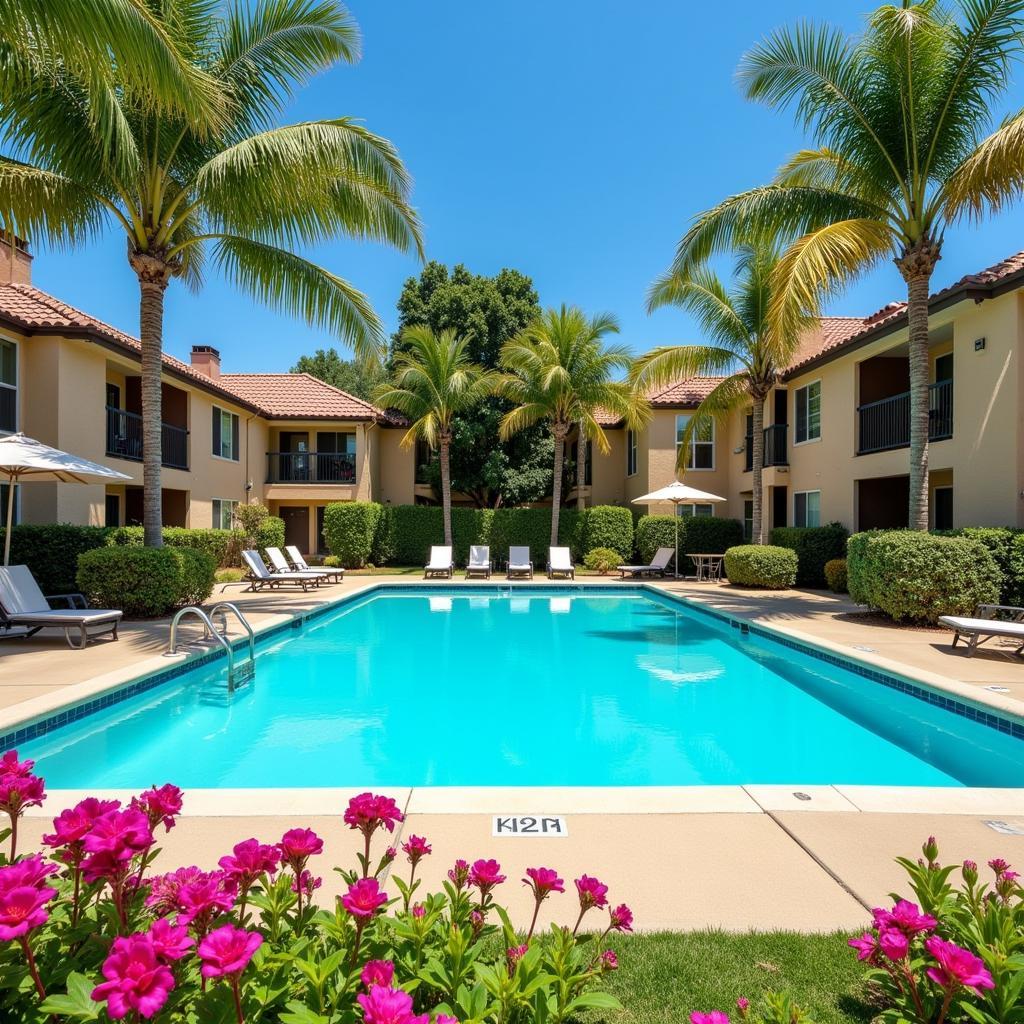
<point>539,687</point>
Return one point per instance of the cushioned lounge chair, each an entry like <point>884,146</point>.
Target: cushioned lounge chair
<point>519,563</point>
<point>658,566</point>
<point>22,604</point>
<point>440,563</point>
<point>989,621</point>
<point>479,563</point>
<point>300,564</point>
<point>279,564</point>
<point>259,577</point>
<point>560,563</point>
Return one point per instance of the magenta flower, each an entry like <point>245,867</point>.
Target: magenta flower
<point>957,967</point>
<point>389,1006</point>
<point>867,947</point>
<point>969,869</point>
<point>998,865</point>
<point>114,839</point>
<point>621,918</point>
<point>485,875</point>
<point>23,908</point>
<point>249,860</point>
<point>592,893</point>
<point>743,1004</point>
<point>515,954</point>
<point>377,972</point>
<point>306,883</point>
<point>714,1017</point>
<point>137,981</point>
<point>609,961</point>
<point>894,943</point>
<point>443,1018</point>
<point>416,848</point>
<point>205,897</point>
<point>164,889</point>
<point>20,791</point>
<point>390,854</point>
<point>170,941</point>
<point>10,765</point>
<point>364,898</point>
<point>227,950</point>
<point>368,812</point>
<point>905,916</point>
<point>31,870</point>
<point>459,874</point>
<point>71,826</point>
<point>419,911</point>
<point>297,846</point>
<point>159,804</point>
<point>543,882</point>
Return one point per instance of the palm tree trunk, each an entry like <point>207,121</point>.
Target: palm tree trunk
<point>444,443</point>
<point>558,430</point>
<point>917,266</point>
<point>581,470</point>
<point>757,531</point>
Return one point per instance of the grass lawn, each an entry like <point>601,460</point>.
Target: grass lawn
<point>664,976</point>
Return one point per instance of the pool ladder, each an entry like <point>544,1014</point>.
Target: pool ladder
<point>236,674</point>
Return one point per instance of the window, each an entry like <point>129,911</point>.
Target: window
<point>630,453</point>
<point>808,412</point>
<point>224,513</point>
<point>702,446</point>
<point>335,443</point>
<point>700,511</point>
<point>807,508</point>
<point>8,386</point>
<point>942,508</point>
<point>225,434</point>
<point>748,520</point>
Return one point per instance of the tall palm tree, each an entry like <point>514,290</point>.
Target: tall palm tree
<point>746,346</point>
<point>897,115</point>
<point>559,369</point>
<point>248,195</point>
<point>435,380</point>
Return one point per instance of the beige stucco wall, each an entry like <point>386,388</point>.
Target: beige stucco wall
<point>397,467</point>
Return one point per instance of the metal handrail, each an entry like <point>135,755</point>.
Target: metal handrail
<point>209,629</point>
<point>223,607</point>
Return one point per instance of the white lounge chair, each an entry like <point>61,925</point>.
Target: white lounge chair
<point>259,577</point>
<point>519,563</point>
<point>280,564</point>
<point>986,624</point>
<point>479,563</point>
<point>560,563</point>
<point>22,603</point>
<point>440,563</point>
<point>300,564</point>
<point>659,565</point>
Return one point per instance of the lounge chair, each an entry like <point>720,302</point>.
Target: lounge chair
<point>658,565</point>
<point>280,564</point>
<point>440,563</point>
<point>22,604</point>
<point>560,563</point>
<point>985,624</point>
<point>259,577</point>
<point>300,564</point>
<point>519,563</point>
<point>479,563</point>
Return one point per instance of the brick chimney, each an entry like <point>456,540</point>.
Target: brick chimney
<point>15,260</point>
<point>206,360</point>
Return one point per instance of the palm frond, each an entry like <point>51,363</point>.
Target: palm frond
<point>702,293</point>
<point>992,176</point>
<point>668,364</point>
<point>38,203</point>
<point>717,406</point>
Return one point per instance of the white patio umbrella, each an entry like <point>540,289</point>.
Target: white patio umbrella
<point>23,459</point>
<point>678,494</point>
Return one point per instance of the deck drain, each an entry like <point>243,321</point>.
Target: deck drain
<point>802,796</point>
<point>998,689</point>
<point>864,647</point>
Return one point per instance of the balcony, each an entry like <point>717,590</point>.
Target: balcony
<point>311,468</point>
<point>774,447</point>
<point>885,425</point>
<point>124,439</point>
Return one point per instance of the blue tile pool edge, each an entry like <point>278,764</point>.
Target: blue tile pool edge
<point>40,725</point>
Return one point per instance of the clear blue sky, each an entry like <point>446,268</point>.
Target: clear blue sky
<point>570,139</point>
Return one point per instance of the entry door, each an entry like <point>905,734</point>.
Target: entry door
<point>113,510</point>
<point>296,527</point>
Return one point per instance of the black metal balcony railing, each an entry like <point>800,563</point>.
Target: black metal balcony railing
<point>774,447</point>
<point>885,425</point>
<point>311,467</point>
<point>124,439</point>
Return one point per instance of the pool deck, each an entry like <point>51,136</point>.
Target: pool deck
<point>689,857</point>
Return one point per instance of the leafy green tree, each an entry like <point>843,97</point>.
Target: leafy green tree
<point>746,347</point>
<point>560,372</point>
<point>246,195</point>
<point>435,380</point>
<point>487,311</point>
<point>359,377</point>
<point>897,115</point>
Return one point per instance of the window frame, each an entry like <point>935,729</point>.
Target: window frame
<point>15,387</point>
<point>796,418</point>
<point>804,495</point>
<point>694,505</point>
<point>748,534</point>
<point>692,458</point>
<point>218,524</point>
<point>632,449</point>
<point>236,429</point>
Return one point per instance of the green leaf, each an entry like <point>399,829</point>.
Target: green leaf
<point>594,1001</point>
<point>298,1013</point>
<point>78,1002</point>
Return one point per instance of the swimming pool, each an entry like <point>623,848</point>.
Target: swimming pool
<point>525,686</point>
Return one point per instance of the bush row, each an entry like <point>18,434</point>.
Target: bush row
<point>761,565</point>
<point>814,546</point>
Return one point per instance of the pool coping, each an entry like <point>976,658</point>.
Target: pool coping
<point>38,715</point>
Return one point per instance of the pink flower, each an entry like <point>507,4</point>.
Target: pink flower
<point>227,951</point>
<point>893,943</point>
<point>20,791</point>
<point>364,898</point>
<point>956,966</point>
<point>159,804</point>
<point>368,812</point>
<point>592,893</point>
<point>205,897</point>
<point>998,865</point>
<point>22,908</point>
<point>485,875</point>
<point>743,1004</point>
<point>31,870</point>
<point>114,839</point>
<point>543,881</point>
<point>459,874</point>
<point>390,854</point>
<point>137,981</point>
<point>377,972</point>
<point>969,869</point>
<point>443,1018</point>
<point>297,846</point>
<point>389,1006</point>
<point>170,941</point>
<point>249,860</point>
<point>416,848</point>
<point>714,1017</point>
<point>10,765</point>
<point>71,826</point>
<point>905,916</point>
<point>419,911</point>
<point>866,946</point>
<point>515,954</point>
<point>306,883</point>
<point>609,961</point>
<point>164,889</point>
<point>622,918</point>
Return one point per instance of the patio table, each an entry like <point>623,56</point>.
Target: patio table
<point>708,566</point>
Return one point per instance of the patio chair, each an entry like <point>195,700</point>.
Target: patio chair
<point>300,564</point>
<point>658,565</point>
<point>22,604</point>
<point>259,577</point>
<point>989,621</point>
<point>479,563</point>
<point>440,563</point>
<point>519,563</point>
<point>560,564</point>
<point>280,564</point>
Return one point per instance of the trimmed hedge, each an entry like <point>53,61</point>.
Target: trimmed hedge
<point>51,552</point>
<point>653,532</point>
<point>835,575</point>
<point>269,535</point>
<point>350,528</point>
<point>1013,585</point>
<point>605,526</point>
<point>915,576</point>
<point>761,565</point>
<point>602,560</point>
<point>814,546</point>
<point>1002,542</point>
<point>703,534</point>
<point>145,582</point>
<point>223,546</point>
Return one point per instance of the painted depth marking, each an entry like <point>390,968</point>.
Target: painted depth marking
<point>550,825</point>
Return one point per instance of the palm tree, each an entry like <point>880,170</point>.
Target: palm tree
<point>247,194</point>
<point>746,347</point>
<point>897,115</point>
<point>559,369</point>
<point>434,381</point>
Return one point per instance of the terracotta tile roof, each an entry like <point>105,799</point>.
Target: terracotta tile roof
<point>684,394</point>
<point>298,396</point>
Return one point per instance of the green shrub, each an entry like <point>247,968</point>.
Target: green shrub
<point>1000,542</point>
<point>699,534</point>
<point>653,532</point>
<point>835,575</point>
<point>270,534</point>
<point>145,581</point>
<point>915,576</point>
<point>51,552</point>
<point>602,560</point>
<point>814,546</point>
<point>604,526</point>
<point>250,516</point>
<point>1013,585</point>
<point>761,565</point>
<point>223,546</point>
<point>350,528</point>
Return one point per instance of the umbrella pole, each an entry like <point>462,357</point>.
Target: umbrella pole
<point>10,520</point>
<point>675,509</point>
